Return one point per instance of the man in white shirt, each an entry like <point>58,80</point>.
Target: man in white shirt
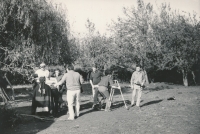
<point>137,84</point>
<point>42,72</point>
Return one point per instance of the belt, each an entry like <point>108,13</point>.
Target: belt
<point>137,84</point>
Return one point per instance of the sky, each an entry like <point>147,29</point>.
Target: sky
<point>102,12</point>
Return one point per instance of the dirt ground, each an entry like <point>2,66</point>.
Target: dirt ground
<point>158,114</point>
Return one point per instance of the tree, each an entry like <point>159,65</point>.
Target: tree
<point>96,48</point>
<point>179,38</point>
<point>135,35</point>
<point>163,40</point>
<point>32,31</point>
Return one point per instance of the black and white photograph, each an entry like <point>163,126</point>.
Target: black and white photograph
<point>99,66</point>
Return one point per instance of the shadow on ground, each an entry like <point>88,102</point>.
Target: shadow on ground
<point>151,102</point>
<point>118,104</point>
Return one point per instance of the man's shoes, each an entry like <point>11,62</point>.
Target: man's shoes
<point>55,115</point>
<point>138,108</point>
<point>102,109</point>
<point>76,116</point>
<point>69,119</point>
<point>107,110</point>
<point>94,107</point>
<point>132,105</point>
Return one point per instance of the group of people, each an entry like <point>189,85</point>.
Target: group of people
<point>46,97</point>
<point>102,83</point>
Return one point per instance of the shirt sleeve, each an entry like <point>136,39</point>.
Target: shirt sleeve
<point>143,78</point>
<point>132,78</point>
<point>110,81</point>
<point>81,79</point>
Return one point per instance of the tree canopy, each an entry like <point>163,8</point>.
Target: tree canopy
<point>31,32</point>
<point>161,40</point>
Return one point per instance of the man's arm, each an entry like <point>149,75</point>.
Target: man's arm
<point>91,77</point>
<point>62,80</point>
<point>47,74</point>
<point>143,79</point>
<point>81,79</point>
<point>91,83</point>
<point>132,79</point>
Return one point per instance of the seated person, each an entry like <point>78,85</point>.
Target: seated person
<point>42,72</point>
<point>103,86</point>
<point>42,100</point>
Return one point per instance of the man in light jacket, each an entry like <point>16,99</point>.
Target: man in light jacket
<point>137,84</point>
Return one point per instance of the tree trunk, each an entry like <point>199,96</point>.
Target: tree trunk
<point>185,79</point>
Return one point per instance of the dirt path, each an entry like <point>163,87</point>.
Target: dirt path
<point>157,115</point>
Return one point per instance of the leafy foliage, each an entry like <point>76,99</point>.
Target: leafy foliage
<point>31,32</point>
<point>163,40</point>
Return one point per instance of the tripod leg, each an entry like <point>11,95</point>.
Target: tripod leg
<point>123,98</point>
<point>111,94</point>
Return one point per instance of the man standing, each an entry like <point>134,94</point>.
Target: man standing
<point>137,84</point>
<point>61,88</point>
<point>95,78</point>
<point>73,83</point>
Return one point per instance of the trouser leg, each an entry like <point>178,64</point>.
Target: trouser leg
<point>55,95</point>
<point>139,97</point>
<point>133,96</point>
<point>93,92</point>
<point>33,107</point>
<point>77,108</point>
<point>70,100</point>
<point>95,97</point>
<point>104,91</point>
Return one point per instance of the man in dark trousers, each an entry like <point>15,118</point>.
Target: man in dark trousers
<point>95,78</point>
<point>61,88</point>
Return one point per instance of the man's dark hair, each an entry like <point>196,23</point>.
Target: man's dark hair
<point>95,66</point>
<point>70,67</point>
<point>57,69</point>
<point>107,72</point>
<point>35,75</point>
<point>138,65</point>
